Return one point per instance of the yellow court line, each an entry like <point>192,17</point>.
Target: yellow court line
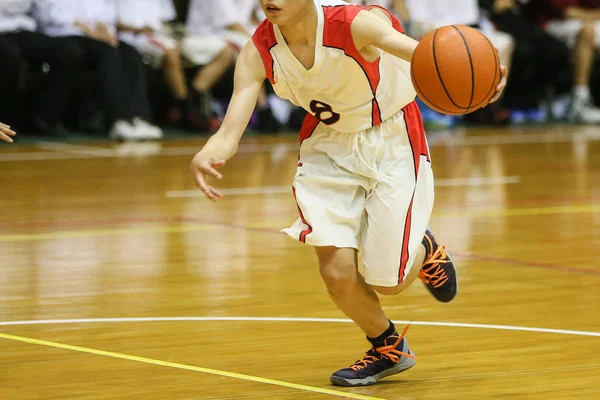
<point>23,237</point>
<point>187,367</point>
<point>84,233</point>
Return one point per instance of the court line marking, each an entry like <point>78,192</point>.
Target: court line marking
<point>169,364</point>
<point>241,191</point>
<point>453,138</point>
<point>22,237</point>
<point>292,319</point>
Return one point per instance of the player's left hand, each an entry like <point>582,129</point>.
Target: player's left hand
<point>6,133</point>
<point>501,85</point>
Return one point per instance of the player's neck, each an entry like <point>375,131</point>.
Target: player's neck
<point>303,29</point>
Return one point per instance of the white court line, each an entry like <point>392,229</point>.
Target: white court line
<point>452,138</point>
<point>476,181</point>
<point>290,319</point>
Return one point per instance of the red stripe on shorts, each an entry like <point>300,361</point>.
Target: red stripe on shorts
<point>418,144</point>
<point>308,230</point>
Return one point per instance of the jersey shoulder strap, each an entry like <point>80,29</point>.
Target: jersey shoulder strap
<point>264,40</point>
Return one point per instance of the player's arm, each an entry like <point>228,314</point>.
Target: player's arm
<point>248,79</point>
<point>6,133</point>
<point>374,28</point>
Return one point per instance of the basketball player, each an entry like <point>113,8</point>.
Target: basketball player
<point>364,172</point>
<point>6,133</point>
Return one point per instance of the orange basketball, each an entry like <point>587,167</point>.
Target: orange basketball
<point>455,69</point>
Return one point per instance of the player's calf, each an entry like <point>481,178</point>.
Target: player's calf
<point>438,272</point>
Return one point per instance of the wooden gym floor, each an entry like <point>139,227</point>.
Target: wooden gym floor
<point>119,281</point>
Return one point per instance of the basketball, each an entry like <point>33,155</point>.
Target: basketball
<point>455,69</point>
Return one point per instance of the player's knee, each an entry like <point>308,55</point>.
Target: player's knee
<point>389,291</point>
<point>338,276</point>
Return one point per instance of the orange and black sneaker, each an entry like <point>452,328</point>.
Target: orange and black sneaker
<point>391,357</point>
<point>438,272</point>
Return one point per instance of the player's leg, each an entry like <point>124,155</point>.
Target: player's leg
<point>349,291</point>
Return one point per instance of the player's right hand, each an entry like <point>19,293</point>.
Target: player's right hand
<point>203,167</point>
<point>6,133</point>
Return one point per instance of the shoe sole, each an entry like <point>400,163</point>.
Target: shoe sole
<point>407,363</point>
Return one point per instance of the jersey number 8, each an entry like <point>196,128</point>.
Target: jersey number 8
<point>324,113</point>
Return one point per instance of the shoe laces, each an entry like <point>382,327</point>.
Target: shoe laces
<point>432,272</point>
<point>389,352</point>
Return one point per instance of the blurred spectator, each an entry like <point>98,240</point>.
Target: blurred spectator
<point>19,42</point>
<point>540,61</point>
<point>577,23</point>
<point>231,22</point>
<point>397,6</point>
<point>141,24</point>
<point>88,28</point>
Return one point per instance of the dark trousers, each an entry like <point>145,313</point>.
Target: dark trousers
<point>122,78</point>
<point>540,61</point>
<point>51,102</point>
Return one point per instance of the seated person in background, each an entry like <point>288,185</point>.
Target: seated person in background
<point>6,133</point>
<point>226,22</point>
<point>19,42</point>
<point>397,6</point>
<point>577,23</point>
<point>89,29</point>
<point>141,24</point>
<point>540,61</point>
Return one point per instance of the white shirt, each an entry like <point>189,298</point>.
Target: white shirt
<point>13,16</point>
<point>58,17</point>
<point>444,12</point>
<point>212,17</point>
<point>142,13</point>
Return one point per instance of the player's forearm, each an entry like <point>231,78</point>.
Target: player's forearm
<point>398,45</point>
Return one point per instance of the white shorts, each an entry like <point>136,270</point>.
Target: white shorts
<point>151,45</point>
<point>568,31</point>
<point>202,49</point>
<point>373,187</point>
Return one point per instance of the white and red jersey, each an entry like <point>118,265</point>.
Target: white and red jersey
<point>342,89</point>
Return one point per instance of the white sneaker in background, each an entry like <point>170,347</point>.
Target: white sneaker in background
<point>123,130</point>
<point>583,111</point>
<point>147,130</point>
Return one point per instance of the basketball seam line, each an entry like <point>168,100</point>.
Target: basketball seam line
<point>440,75</point>
<point>472,69</point>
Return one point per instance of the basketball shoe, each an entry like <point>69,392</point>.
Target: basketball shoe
<point>388,357</point>
<point>438,272</point>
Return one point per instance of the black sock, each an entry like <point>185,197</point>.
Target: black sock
<point>379,341</point>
